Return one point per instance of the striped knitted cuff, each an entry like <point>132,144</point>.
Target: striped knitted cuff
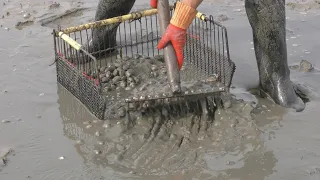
<point>183,15</point>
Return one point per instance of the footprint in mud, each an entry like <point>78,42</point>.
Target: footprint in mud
<point>303,5</point>
<point>22,24</point>
<point>4,154</point>
<point>67,19</point>
<point>157,145</point>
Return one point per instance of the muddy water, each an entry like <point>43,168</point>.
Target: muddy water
<point>53,137</point>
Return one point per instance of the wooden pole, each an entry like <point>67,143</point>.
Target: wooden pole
<point>169,53</point>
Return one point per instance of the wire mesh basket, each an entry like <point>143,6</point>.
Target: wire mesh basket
<point>82,52</point>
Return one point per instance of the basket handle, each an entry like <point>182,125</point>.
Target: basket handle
<point>70,41</point>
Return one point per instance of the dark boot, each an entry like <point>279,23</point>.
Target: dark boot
<point>268,22</point>
<point>104,38</point>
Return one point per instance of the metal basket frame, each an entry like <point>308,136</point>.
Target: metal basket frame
<point>77,78</point>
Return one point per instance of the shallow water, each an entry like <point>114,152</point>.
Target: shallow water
<point>46,123</point>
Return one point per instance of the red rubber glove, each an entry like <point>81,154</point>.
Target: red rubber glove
<point>174,32</point>
<point>177,37</point>
<point>153,3</point>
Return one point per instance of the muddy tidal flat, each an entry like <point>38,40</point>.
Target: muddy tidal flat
<point>46,134</point>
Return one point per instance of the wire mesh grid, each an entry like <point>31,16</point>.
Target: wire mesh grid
<point>206,53</point>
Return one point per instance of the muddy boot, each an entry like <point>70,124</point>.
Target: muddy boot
<point>104,38</point>
<point>267,19</point>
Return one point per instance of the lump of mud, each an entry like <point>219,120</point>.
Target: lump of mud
<point>22,24</point>
<point>221,18</point>
<point>304,66</point>
<point>54,5</point>
<point>303,5</point>
<point>4,156</point>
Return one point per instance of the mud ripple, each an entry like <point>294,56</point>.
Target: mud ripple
<point>68,15</point>
<point>158,146</point>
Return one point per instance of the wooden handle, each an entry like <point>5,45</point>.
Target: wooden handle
<point>169,53</point>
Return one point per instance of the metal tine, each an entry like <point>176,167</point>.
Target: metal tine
<point>130,30</point>
<point>74,53</point>
<point>179,106</point>
<point>197,47</point>
<point>167,108</point>
<point>136,106</point>
<point>58,44</point>
<point>187,106</point>
<point>143,109</point>
<point>182,109</point>
<point>141,36</point>
<point>199,107</point>
<point>83,56</point>
<point>109,48</point>
<point>135,27</point>
<point>79,55</point>
<point>120,43</point>
<point>193,106</point>
<point>219,52</point>
<point>157,33</point>
<point>186,103</point>
<point>204,59</point>
<point>64,49</point>
<point>104,52</point>
<point>172,110</point>
<point>211,103</point>
<point>193,45</point>
<point>190,105</point>
<point>173,106</point>
<point>86,58</point>
<point>223,53</point>
<point>152,45</point>
<point>160,107</point>
<point>183,106</point>
<point>153,107</point>
<point>147,34</point>
<point>152,111</point>
<point>125,37</point>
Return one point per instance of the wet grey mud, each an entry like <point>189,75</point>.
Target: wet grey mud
<point>45,133</point>
<point>143,80</point>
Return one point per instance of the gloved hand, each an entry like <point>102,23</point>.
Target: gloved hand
<point>153,3</point>
<point>177,37</point>
<point>177,29</point>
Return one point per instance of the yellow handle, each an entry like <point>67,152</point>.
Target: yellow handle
<point>70,41</point>
<point>119,19</point>
<point>201,16</point>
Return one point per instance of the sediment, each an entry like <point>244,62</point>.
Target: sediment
<point>142,77</point>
